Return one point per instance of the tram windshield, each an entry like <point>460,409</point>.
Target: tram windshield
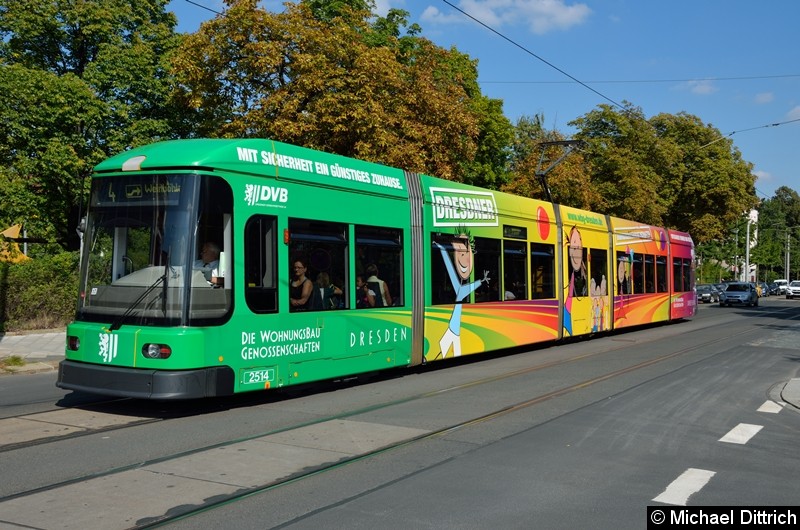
<point>141,261</point>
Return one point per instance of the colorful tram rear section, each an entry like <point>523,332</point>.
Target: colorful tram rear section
<point>404,269</point>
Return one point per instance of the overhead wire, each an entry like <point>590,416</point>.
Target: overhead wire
<point>587,86</point>
<point>202,6</point>
<point>529,52</point>
<point>584,84</point>
<point>629,81</point>
<point>750,129</point>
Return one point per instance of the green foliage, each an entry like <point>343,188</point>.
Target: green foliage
<point>78,82</point>
<point>778,228</point>
<point>40,293</point>
<point>670,170</point>
<point>489,167</point>
<point>327,10</point>
<point>329,79</point>
<point>45,156</point>
<point>568,180</point>
<point>13,360</point>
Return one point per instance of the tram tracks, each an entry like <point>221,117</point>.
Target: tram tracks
<point>27,430</point>
<point>346,423</point>
<point>443,431</point>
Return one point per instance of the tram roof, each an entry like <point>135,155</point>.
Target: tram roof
<point>272,159</point>
<point>260,157</point>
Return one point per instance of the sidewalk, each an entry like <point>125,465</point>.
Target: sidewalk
<point>41,350</point>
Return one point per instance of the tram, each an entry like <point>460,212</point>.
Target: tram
<point>411,269</point>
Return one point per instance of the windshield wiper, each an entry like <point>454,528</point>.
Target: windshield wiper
<point>120,319</point>
<point>167,269</point>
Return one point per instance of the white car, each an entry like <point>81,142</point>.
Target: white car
<point>793,289</point>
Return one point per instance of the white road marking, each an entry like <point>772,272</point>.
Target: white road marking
<point>741,434</point>
<point>690,482</point>
<point>771,407</point>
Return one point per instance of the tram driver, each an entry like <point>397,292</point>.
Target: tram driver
<point>208,263</point>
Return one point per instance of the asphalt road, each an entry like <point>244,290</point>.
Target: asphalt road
<point>586,434</point>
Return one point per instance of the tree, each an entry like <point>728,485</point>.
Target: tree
<point>489,167</point>
<point>671,170</point>
<point>325,83</point>
<point>707,171</point>
<point>102,86</point>
<point>568,181</point>
<point>778,225</point>
<point>45,155</point>
<point>624,155</point>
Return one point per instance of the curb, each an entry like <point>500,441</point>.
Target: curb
<point>30,368</point>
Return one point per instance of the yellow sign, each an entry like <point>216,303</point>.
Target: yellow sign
<point>9,250</point>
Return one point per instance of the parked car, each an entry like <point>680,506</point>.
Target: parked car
<point>793,289</point>
<point>763,289</point>
<point>773,289</point>
<point>707,294</point>
<point>739,293</point>
<point>782,286</point>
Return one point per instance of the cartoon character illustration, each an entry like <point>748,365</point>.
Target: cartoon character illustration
<point>459,269</point>
<point>577,262</point>
<point>577,275</point>
<point>623,283</point>
<point>598,293</point>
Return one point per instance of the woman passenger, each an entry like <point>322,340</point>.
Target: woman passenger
<point>300,288</point>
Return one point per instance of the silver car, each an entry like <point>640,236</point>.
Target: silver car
<point>707,293</point>
<point>793,289</point>
<point>739,293</point>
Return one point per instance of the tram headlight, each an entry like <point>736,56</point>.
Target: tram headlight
<point>156,351</point>
<point>73,343</point>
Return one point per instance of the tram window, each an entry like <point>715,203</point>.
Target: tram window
<point>623,273</point>
<point>598,272</point>
<point>515,273</point>
<point>382,247</point>
<point>442,291</point>
<point>649,273</point>
<point>687,275</point>
<point>214,225</point>
<point>260,264</point>
<point>638,273</point>
<point>661,274</point>
<point>543,276</point>
<point>682,274</point>
<point>322,248</point>
<point>487,258</point>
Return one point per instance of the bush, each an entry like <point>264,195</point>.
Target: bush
<point>40,293</point>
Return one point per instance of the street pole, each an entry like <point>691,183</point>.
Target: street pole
<point>747,252</point>
<point>736,254</point>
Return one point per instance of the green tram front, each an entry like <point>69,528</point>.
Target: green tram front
<point>145,290</point>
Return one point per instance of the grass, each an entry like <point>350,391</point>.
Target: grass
<point>12,360</point>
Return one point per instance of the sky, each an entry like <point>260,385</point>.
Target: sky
<point>734,64</point>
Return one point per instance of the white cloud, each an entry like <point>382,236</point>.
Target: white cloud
<point>702,87</point>
<point>541,16</point>
<point>764,97</point>
<point>432,16</point>
<point>382,7</point>
<point>762,176</point>
<point>794,114</point>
